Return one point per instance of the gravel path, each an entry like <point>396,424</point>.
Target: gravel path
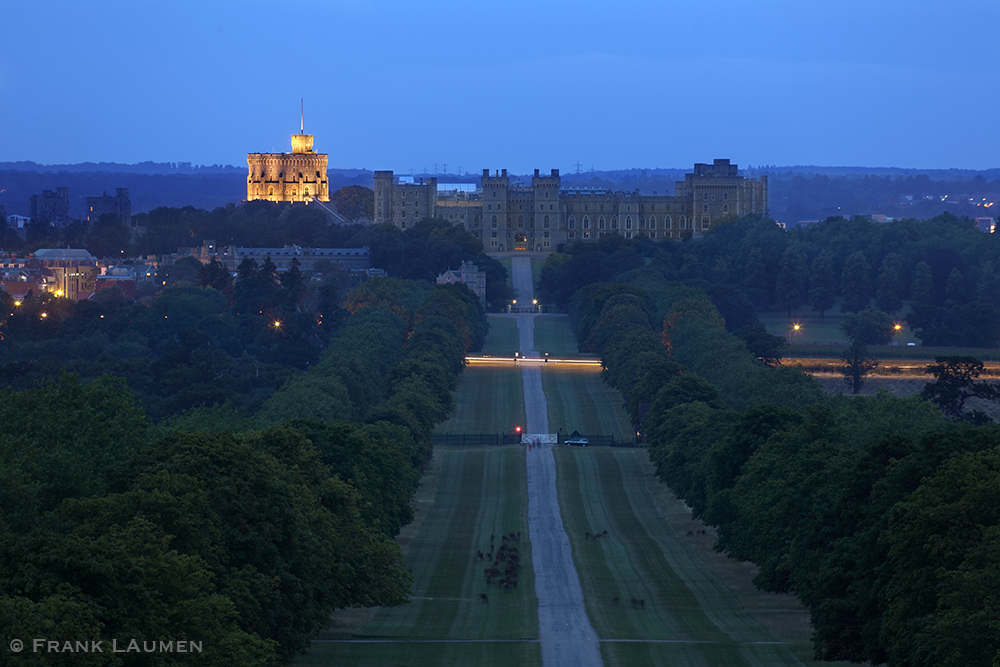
<point>564,631</point>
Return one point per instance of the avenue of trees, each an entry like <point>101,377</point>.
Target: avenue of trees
<point>879,513</point>
<point>241,478</point>
<point>939,275</point>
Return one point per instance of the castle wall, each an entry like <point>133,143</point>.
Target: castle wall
<point>543,216</point>
<point>287,176</point>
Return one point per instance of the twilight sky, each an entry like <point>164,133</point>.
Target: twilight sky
<point>517,84</point>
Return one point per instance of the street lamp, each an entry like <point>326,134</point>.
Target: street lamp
<point>795,327</point>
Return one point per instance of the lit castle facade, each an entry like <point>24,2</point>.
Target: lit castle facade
<point>543,215</point>
<point>296,176</point>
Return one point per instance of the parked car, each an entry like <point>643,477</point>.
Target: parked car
<point>581,442</point>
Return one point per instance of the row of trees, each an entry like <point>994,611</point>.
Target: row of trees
<point>238,528</point>
<point>940,272</point>
<point>878,513</point>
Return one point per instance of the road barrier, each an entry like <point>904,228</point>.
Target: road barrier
<point>497,439</point>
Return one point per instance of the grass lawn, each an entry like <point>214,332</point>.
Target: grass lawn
<point>536,271</point>
<point>579,401</point>
<point>502,339</point>
<point>506,264</point>
<point>554,335</point>
<point>489,399</point>
<point>689,616</point>
<point>479,492</point>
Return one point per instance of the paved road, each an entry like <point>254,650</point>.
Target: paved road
<point>564,631</point>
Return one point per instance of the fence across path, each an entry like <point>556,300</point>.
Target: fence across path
<point>488,439</point>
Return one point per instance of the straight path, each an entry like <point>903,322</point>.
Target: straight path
<point>564,631</point>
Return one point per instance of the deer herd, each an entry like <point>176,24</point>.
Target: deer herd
<point>507,557</point>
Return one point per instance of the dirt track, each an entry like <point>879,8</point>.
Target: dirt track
<point>564,631</point>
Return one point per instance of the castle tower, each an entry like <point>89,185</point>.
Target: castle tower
<point>546,210</point>
<point>296,176</point>
<point>383,198</point>
<point>496,216</point>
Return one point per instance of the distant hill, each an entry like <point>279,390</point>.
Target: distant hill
<point>796,193</point>
<point>150,184</point>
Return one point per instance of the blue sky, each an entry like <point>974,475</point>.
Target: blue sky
<point>516,85</point>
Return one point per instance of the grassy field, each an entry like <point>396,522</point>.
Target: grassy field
<point>688,616</point>
<point>554,335</point>
<point>482,492</point>
<point>502,339</point>
<point>579,401</point>
<point>489,399</point>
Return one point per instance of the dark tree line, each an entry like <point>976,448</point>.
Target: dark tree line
<point>265,496</point>
<point>878,513</point>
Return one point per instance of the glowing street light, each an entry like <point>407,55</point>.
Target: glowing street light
<point>795,328</point>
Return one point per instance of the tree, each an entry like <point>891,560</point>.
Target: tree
<point>955,384</point>
<point>889,289</point>
<point>765,346</point>
<point>355,201</point>
<point>790,289</point>
<point>954,291</point>
<point>109,236</point>
<point>215,275</point>
<point>855,283</point>
<point>821,290</point>
<point>942,567</point>
<point>870,326</point>
<point>922,290</point>
<point>857,365</point>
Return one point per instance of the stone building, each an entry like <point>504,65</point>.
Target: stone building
<point>296,176</point>
<point>51,206</point>
<point>467,274</point>
<point>542,215</point>
<point>119,205</point>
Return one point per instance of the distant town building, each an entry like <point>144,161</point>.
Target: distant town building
<point>296,176</point>
<point>119,205</point>
<point>309,259</point>
<point>985,225</point>
<point>542,215</point>
<point>467,274</point>
<point>51,206</point>
<point>74,272</point>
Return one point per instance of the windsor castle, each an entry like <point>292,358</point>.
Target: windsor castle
<point>543,215</point>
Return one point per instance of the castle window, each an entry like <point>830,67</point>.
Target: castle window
<point>713,197</point>
<point>628,223</point>
<point>725,196</point>
<point>725,208</point>
<point>494,225</point>
<point>586,235</point>
<point>586,222</point>
<point>706,196</point>
<point>545,235</point>
<point>684,222</point>
<point>545,223</point>
<point>520,222</point>
<point>704,222</point>
<point>600,222</point>
<point>614,222</point>
<point>572,222</point>
<point>705,208</point>
<point>652,223</point>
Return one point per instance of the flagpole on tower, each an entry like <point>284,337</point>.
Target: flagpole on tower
<point>302,121</point>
